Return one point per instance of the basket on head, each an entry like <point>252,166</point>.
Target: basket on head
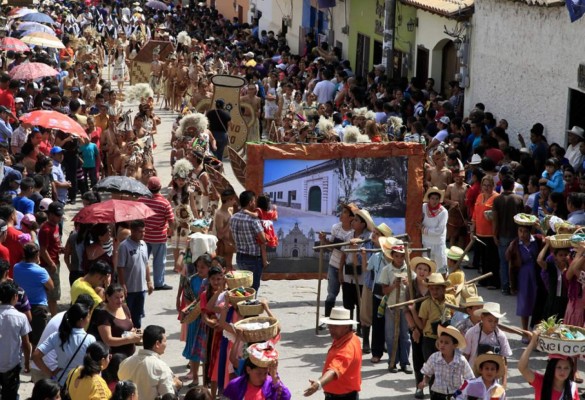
<point>260,363</point>
<point>523,219</point>
<point>578,238</point>
<point>258,335</point>
<point>249,310</point>
<point>240,278</point>
<point>234,300</point>
<point>562,241</point>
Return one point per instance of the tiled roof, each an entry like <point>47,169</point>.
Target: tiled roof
<point>447,8</point>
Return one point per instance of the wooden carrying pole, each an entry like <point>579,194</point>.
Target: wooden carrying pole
<point>421,299</point>
<point>319,291</point>
<point>377,250</point>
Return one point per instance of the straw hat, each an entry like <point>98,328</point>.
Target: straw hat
<point>489,356</point>
<point>390,244</point>
<point>466,290</point>
<point>473,301</point>
<point>423,260</point>
<point>489,308</point>
<point>351,207</point>
<point>436,279</point>
<point>455,253</point>
<point>432,190</point>
<point>339,316</point>
<point>365,215</point>
<point>384,230</point>
<point>454,333</point>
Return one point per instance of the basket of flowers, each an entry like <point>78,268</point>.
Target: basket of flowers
<point>558,338</point>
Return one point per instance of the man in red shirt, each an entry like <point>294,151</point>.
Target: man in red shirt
<point>156,230</point>
<point>50,244</point>
<point>12,243</point>
<point>7,97</point>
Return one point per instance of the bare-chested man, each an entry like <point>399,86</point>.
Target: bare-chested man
<point>181,83</point>
<point>200,94</point>
<point>156,70</point>
<point>169,74</point>
<point>438,175</point>
<point>255,102</point>
<point>225,245</point>
<point>455,202</point>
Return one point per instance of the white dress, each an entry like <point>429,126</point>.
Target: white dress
<point>120,68</point>
<point>434,236</point>
<point>270,106</point>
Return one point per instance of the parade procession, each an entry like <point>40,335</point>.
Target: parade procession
<point>262,199</point>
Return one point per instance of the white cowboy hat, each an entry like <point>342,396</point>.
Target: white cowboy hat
<point>475,159</point>
<point>489,308</point>
<point>384,229</point>
<point>578,131</point>
<point>473,301</point>
<point>455,253</point>
<point>432,190</point>
<point>490,356</point>
<point>423,260</point>
<point>454,333</point>
<point>339,316</point>
<point>390,244</point>
<point>436,279</point>
<point>365,215</point>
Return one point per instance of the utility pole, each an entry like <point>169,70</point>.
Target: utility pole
<point>388,45</point>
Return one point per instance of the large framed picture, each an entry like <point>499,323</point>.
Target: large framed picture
<point>310,183</point>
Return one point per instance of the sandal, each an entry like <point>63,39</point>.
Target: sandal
<point>375,360</point>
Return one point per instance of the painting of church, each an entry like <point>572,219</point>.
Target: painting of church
<point>312,189</point>
<point>295,244</point>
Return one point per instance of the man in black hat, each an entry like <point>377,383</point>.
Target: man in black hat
<point>50,247</point>
<point>219,120</point>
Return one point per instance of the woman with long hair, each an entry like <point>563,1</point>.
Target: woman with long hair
<point>69,342</point>
<point>85,382</point>
<point>257,382</point>
<point>557,381</point>
<point>120,68</point>
<point>97,247</point>
<point>46,389</point>
<point>114,323</point>
<point>125,390</point>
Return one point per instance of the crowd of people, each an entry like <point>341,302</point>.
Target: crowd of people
<point>479,192</point>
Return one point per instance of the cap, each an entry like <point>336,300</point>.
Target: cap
<point>56,208</point>
<point>281,67</point>
<point>75,89</point>
<point>154,183</point>
<point>4,109</point>
<point>81,102</point>
<point>14,175</point>
<point>445,120</point>
<point>18,100</point>
<point>505,170</point>
<point>44,204</point>
<point>475,159</point>
<point>249,54</point>
<point>27,219</point>
<point>56,150</point>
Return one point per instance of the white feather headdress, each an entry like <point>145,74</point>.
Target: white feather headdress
<point>139,91</point>
<point>351,134</point>
<point>184,39</point>
<point>196,120</point>
<point>324,124</point>
<point>182,168</point>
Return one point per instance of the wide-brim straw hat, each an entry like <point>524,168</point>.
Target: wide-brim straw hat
<point>384,230</point>
<point>390,244</point>
<point>490,356</point>
<point>454,333</point>
<point>432,190</point>
<point>423,260</point>
<point>365,215</point>
<point>339,316</point>
<point>436,279</point>
<point>472,301</point>
<point>466,290</point>
<point>489,308</point>
<point>456,253</point>
<point>351,207</point>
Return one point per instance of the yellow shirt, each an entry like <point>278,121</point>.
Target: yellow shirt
<point>433,311</point>
<point>87,388</point>
<point>81,286</point>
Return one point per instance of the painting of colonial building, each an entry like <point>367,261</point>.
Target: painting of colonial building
<point>296,243</point>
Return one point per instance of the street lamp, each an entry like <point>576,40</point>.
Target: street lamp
<point>457,42</point>
<point>412,23</point>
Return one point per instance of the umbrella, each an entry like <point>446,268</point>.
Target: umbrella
<point>43,39</point>
<point>111,211</point>
<point>10,43</point>
<point>53,120</point>
<point>38,17</point>
<point>31,27</point>
<point>122,184</point>
<point>21,12</point>
<point>157,5</point>
<point>32,71</point>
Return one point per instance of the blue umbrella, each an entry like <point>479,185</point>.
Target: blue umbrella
<point>38,17</point>
<point>29,27</point>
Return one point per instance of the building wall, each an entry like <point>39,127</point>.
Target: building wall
<point>339,17</point>
<point>430,34</point>
<point>524,75</point>
<point>227,9</point>
<point>363,20</point>
<point>405,41</point>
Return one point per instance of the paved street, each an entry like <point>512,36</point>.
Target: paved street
<point>301,351</point>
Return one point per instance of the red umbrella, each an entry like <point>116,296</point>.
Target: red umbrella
<point>10,43</point>
<point>112,211</point>
<point>31,71</point>
<point>54,120</point>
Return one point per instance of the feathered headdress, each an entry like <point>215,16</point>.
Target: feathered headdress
<point>184,39</point>
<point>324,124</point>
<point>370,115</point>
<point>196,120</point>
<point>351,134</point>
<point>360,112</point>
<point>139,91</point>
<point>182,168</point>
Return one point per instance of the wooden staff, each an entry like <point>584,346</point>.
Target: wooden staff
<point>334,245</point>
<point>408,271</point>
<point>396,327</point>
<point>377,250</point>
<point>319,291</point>
<point>469,246</point>
<point>421,299</point>
<point>514,329</point>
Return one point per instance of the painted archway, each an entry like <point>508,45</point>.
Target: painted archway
<point>315,199</point>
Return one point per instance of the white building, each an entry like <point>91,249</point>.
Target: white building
<point>528,65</point>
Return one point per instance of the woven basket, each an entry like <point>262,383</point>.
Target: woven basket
<point>234,300</point>
<point>242,279</point>
<point>260,363</point>
<point>560,241</point>
<point>259,335</point>
<point>564,347</point>
<point>191,312</point>
<point>523,222</point>
<point>579,233</point>
<point>249,310</point>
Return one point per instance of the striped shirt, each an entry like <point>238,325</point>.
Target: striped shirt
<point>448,376</point>
<point>245,230</point>
<point>156,226</point>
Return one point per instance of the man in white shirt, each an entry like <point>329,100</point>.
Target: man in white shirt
<point>573,153</point>
<point>152,376</point>
<point>325,89</point>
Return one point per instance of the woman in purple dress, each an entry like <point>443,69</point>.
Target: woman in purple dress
<point>525,276</point>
